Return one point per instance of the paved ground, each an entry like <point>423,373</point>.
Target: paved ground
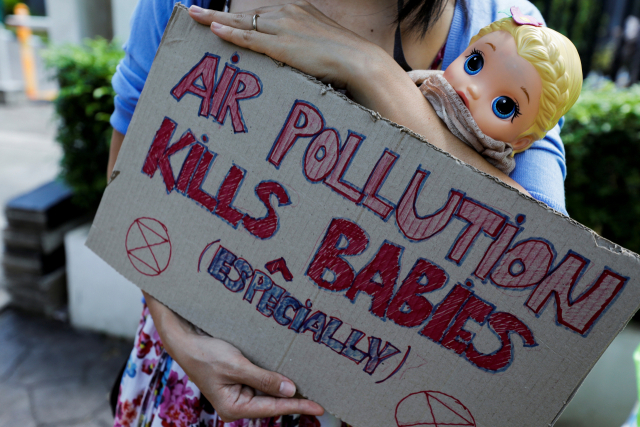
<point>54,376</point>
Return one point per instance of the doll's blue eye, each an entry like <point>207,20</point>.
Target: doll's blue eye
<point>504,107</point>
<point>474,63</point>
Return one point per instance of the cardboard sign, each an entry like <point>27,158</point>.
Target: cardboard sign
<point>394,284</point>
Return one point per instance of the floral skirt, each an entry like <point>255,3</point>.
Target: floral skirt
<point>156,392</point>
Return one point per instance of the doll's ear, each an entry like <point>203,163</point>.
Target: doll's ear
<point>522,143</point>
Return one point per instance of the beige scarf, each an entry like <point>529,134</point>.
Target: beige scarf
<point>451,109</point>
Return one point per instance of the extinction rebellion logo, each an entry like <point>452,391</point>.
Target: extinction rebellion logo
<point>148,246</point>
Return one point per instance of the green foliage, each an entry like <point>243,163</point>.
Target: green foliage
<point>602,139</point>
<point>83,108</point>
<point>8,5</point>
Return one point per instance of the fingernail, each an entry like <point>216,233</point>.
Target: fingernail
<point>216,26</point>
<point>287,389</point>
<point>196,10</point>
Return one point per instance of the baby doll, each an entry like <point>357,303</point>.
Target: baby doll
<point>508,89</point>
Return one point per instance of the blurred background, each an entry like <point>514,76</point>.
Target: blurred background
<point>67,320</point>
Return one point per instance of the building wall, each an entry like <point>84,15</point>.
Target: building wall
<point>74,20</point>
<point>121,13</point>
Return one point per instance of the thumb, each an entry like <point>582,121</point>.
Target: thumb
<point>268,382</point>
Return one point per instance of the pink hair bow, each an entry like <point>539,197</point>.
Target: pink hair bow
<point>522,19</point>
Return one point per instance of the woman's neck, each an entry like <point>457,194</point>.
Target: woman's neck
<point>374,20</point>
<point>421,51</point>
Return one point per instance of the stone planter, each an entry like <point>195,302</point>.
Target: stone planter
<point>100,299</point>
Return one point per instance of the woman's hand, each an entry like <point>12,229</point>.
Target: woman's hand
<point>227,379</point>
<point>301,36</point>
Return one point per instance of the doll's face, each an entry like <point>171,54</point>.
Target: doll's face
<point>500,88</point>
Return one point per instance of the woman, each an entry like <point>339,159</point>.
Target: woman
<point>355,45</point>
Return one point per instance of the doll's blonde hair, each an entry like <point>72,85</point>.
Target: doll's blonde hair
<point>558,64</point>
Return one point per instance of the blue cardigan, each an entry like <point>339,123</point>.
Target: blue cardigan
<point>540,169</point>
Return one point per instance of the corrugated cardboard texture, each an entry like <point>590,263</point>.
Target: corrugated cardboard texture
<point>394,284</point>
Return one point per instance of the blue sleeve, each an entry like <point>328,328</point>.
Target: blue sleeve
<point>541,169</point>
<point>147,26</point>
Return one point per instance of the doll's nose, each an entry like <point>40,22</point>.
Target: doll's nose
<point>474,92</point>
